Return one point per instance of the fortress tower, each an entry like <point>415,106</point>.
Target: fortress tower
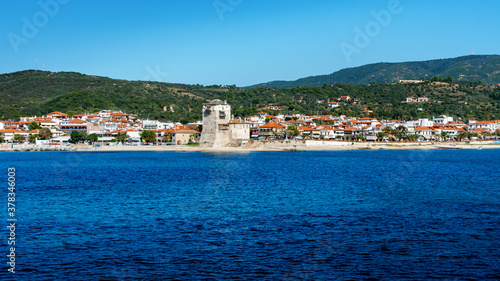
<point>216,117</point>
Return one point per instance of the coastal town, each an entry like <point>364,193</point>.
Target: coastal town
<point>219,128</point>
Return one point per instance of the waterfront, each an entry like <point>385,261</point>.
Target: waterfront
<point>412,214</point>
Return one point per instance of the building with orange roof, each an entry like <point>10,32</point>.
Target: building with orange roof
<point>73,125</point>
<point>488,126</point>
<point>57,115</point>
<point>333,104</point>
<point>311,132</point>
<point>424,131</point>
<point>8,134</point>
<point>9,124</point>
<point>272,130</point>
<point>344,98</point>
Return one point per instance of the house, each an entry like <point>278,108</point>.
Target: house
<point>239,130</point>
<point>183,136</point>
<point>8,125</point>
<point>48,124</point>
<point>333,104</point>
<point>424,131</point>
<point>272,130</point>
<point>344,98</point>
<point>311,132</point>
<point>443,120</point>
<point>411,99</point>
<point>8,134</point>
<point>410,81</point>
<point>57,115</point>
<point>73,125</point>
<point>423,99</point>
<point>488,126</point>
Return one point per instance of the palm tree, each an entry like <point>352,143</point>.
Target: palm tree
<point>413,137</point>
<point>444,135</point>
<point>463,135</point>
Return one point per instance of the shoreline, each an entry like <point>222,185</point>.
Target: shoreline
<point>260,147</point>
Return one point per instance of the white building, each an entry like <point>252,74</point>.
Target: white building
<point>443,120</point>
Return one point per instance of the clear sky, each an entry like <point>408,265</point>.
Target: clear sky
<point>240,42</point>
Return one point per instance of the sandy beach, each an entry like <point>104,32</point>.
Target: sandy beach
<point>259,146</point>
<point>290,147</point>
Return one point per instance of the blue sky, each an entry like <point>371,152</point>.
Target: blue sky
<point>240,42</point>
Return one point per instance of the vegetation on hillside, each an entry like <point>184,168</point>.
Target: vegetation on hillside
<point>37,93</point>
<point>472,68</point>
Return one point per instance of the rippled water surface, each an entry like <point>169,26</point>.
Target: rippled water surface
<point>339,215</point>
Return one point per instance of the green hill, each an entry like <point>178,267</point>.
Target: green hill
<point>29,93</point>
<point>485,68</point>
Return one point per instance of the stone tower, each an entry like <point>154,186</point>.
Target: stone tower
<point>216,117</point>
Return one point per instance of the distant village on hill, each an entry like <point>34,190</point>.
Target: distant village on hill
<point>220,128</point>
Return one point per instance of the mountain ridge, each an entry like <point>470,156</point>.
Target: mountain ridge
<point>474,68</point>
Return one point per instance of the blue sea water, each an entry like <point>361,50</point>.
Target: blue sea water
<point>336,215</point>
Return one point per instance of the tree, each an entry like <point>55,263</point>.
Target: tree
<point>292,131</point>
<point>267,119</point>
<point>45,133</point>
<point>19,138</point>
<point>401,132</point>
<point>167,137</point>
<point>462,135</point>
<point>121,137</point>
<point>413,137</point>
<point>1,138</point>
<point>32,138</point>
<point>148,136</point>
<point>92,138</point>
<point>381,135</point>
<point>77,136</point>
<point>444,135</point>
<point>193,138</point>
<point>33,126</point>
<point>389,132</point>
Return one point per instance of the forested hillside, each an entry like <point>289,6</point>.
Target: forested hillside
<point>485,68</point>
<point>29,93</point>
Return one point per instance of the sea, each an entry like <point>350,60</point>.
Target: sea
<point>296,215</point>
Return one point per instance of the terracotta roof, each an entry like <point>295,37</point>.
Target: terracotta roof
<point>303,128</point>
<point>76,121</point>
<point>272,125</point>
<point>417,128</point>
<point>11,131</point>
